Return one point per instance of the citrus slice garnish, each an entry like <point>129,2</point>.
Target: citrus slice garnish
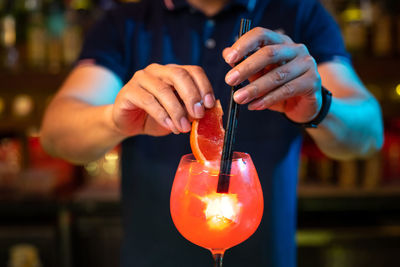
<point>207,135</point>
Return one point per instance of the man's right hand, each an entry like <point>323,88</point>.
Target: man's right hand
<point>91,114</point>
<point>161,99</point>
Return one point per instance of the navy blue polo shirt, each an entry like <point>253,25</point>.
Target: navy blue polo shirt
<point>130,37</point>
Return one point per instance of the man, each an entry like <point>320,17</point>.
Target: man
<point>147,68</point>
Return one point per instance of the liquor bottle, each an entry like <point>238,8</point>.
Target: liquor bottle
<point>24,255</point>
<point>391,153</point>
<point>372,173</point>
<point>72,35</point>
<point>394,7</point>
<point>397,32</point>
<point>382,31</point>
<point>347,174</point>
<point>55,26</point>
<point>36,35</point>
<point>8,38</point>
<point>21,15</point>
<point>355,31</point>
<point>2,107</point>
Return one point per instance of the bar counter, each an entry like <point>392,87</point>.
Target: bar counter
<point>84,228</point>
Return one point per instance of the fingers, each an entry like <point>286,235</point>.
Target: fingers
<point>172,94</point>
<point>142,99</point>
<point>181,80</point>
<point>288,90</point>
<point>249,42</point>
<point>283,76</point>
<point>265,56</point>
<point>203,84</point>
<point>302,86</point>
<point>271,81</point>
<point>166,99</point>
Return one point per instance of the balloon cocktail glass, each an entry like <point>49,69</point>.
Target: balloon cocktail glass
<point>216,221</point>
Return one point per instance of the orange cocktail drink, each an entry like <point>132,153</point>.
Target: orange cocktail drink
<point>213,220</point>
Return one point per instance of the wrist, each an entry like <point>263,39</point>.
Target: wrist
<point>323,112</point>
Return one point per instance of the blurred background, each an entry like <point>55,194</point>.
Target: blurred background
<point>55,214</point>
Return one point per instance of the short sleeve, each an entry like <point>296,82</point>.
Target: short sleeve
<point>103,45</point>
<point>321,34</point>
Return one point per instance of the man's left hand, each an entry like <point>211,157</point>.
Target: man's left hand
<point>283,75</point>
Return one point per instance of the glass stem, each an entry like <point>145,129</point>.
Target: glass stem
<point>218,259</point>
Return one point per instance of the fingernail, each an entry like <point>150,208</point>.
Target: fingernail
<point>185,125</point>
<point>209,100</point>
<point>198,110</point>
<point>171,125</point>
<point>231,57</point>
<point>241,96</point>
<point>232,77</point>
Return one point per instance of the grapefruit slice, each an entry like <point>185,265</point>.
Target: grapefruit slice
<point>207,135</point>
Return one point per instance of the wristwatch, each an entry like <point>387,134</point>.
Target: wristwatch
<point>326,104</point>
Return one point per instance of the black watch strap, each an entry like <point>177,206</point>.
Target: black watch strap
<point>326,104</point>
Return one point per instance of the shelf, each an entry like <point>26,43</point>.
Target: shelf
<point>379,70</point>
<point>18,125</point>
<point>31,82</point>
<point>320,191</point>
<point>333,199</point>
<point>17,209</point>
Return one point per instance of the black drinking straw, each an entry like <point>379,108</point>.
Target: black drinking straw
<point>231,125</point>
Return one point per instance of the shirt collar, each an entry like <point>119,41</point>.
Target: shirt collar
<point>178,4</point>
